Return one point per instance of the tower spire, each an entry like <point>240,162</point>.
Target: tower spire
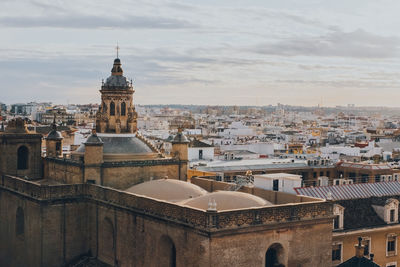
<point>117,48</point>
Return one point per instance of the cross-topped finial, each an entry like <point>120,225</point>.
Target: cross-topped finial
<point>117,48</point>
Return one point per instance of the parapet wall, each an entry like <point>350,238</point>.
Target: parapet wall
<point>209,221</point>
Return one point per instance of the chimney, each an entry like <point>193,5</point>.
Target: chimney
<point>359,248</point>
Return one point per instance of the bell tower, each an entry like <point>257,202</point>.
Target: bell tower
<point>20,151</point>
<point>116,113</point>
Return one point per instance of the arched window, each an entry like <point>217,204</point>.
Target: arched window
<point>167,255</point>
<point>123,109</point>
<point>19,222</point>
<point>23,157</point>
<point>274,256</point>
<point>112,109</point>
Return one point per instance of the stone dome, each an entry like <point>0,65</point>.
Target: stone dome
<point>121,147</point>
<point>168,189</point>
<point>227,200</point>
<point>117,81</point>
<point>54,135</point>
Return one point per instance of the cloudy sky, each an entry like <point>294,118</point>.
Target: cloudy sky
<point>203,52</point>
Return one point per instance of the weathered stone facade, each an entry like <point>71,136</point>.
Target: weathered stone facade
<point>64,222</point>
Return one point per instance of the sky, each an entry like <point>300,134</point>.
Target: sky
<point>221,52</point>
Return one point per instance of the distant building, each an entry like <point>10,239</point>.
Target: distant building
<point>367,210</point>
<point>282,182</point>
<point>199,150</point>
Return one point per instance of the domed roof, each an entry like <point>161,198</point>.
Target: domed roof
<point>54,135</point>
<point>168,189</point>
<point>180,137</point>
<point>117,147</point>
<point>93,139</point>
<point>117,80</point>
<point>227,200</point>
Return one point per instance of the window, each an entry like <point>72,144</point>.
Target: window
<point>391,264</point>
<point>123,109</point>
<point>275,185</point>
<point>112,109</point>
<point>321,173</point>
<point>328,173</point>
<point>23,156</point>
<point>391,241</point>
<point>201,154</point>
<point>315,175</point>
<point>338,221</point>
<point>366,242</point>
<point>58,147</point>
<point>392,213</point>
<point>337,252</point>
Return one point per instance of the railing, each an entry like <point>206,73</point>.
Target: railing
<point>205,220</point>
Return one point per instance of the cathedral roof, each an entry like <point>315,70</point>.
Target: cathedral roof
<point>168,189</point>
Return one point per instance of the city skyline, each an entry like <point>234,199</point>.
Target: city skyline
<point>255,53</point>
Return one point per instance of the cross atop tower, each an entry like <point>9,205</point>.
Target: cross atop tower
<point>117,48</point>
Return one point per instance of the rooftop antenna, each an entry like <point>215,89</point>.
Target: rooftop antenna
<point>117,48</point>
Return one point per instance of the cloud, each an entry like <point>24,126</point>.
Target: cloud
<point>356,44</point>
<point>96,22</point>
<point>340,84</point>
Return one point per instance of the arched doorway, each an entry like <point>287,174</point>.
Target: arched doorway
<point>23,157</point>
<point>274,257</point>
<point>167,252</point>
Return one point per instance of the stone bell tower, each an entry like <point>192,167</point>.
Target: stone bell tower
<point>20,151</point>
<point>117,113</point>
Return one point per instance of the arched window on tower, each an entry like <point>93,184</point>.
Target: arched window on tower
<point>123,109</point>
<point>112,109</point>
<point>19,222</point>
<point>23,157</point>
